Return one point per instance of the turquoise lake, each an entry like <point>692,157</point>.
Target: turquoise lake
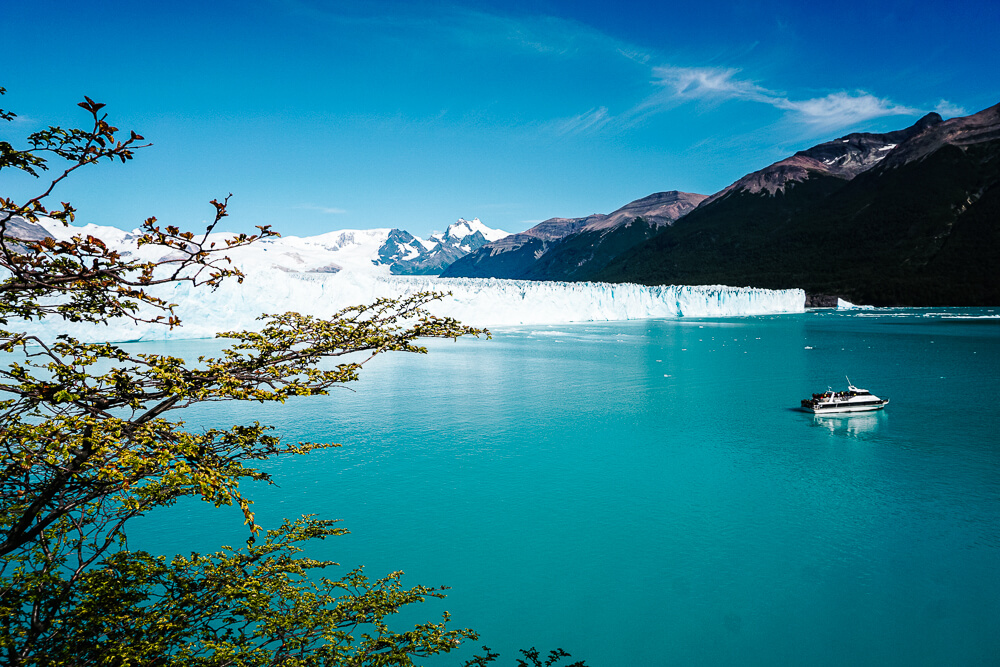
<point>644,493</point>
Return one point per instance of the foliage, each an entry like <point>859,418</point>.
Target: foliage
<point>88,444</point>
<point>532,658</point>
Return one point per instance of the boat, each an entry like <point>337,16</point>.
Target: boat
<point>852,400</point>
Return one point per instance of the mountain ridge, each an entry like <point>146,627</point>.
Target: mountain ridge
<point>918,227</point>
<point>518,255</point>
<point>386,250</point>
<point>907,217</point>
<point>844,157</point>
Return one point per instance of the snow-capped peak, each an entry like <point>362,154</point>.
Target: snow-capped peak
<point>379,251</point>
<point>461,228</point>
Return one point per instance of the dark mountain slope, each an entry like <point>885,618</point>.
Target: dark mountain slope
<point>513,255</point>
<point>921,229</point>
<point>589,250</point>
<point>559,248</point>
<point>844,157</point>
<point>744,233</point>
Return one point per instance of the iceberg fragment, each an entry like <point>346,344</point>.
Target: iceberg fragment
<point>847,305</point>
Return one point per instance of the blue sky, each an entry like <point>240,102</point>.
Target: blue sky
<point>329,115</point>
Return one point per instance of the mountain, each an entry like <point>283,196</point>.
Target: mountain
<point>408,255</point>
<point>433,256</point>
<point>20,228</point>
<point>904,218</point>
<point>560,248</point>
<point>469,235</point>
<point>386,251</point>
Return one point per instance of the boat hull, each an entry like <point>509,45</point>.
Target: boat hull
<point>838,409</point>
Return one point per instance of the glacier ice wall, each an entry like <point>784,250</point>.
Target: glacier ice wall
<point>473,301</point>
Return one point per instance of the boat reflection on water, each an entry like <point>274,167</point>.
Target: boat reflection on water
<point>852,425</point>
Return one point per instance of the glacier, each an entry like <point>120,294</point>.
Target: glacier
<point>323,274</point>
<point>488,302</point>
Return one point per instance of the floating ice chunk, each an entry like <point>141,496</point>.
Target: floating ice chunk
<point>847,305</point>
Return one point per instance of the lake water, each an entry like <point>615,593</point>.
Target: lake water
<point>643,493</point>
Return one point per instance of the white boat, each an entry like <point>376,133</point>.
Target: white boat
<point>852,400</point>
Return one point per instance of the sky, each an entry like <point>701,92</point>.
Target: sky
<point>319,116</point>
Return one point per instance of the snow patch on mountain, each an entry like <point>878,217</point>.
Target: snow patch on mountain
<point>462,228</point>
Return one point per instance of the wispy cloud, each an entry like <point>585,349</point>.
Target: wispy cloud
<point>949,110</point>
<point>592,120</point>
<point>843,109</point>
<point>322,209</point>
<point>833,111</point>
<point>676,86</point>
<point>635,54</point>
<point>23,120</point>
<point>699,83</point>
<point>540,33</point>
<point>558,37</point>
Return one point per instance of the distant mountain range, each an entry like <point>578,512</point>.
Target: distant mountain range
<point>910,217</point>
<point>406,254</point>
<point>568,248</point>
<point>387,251</point>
